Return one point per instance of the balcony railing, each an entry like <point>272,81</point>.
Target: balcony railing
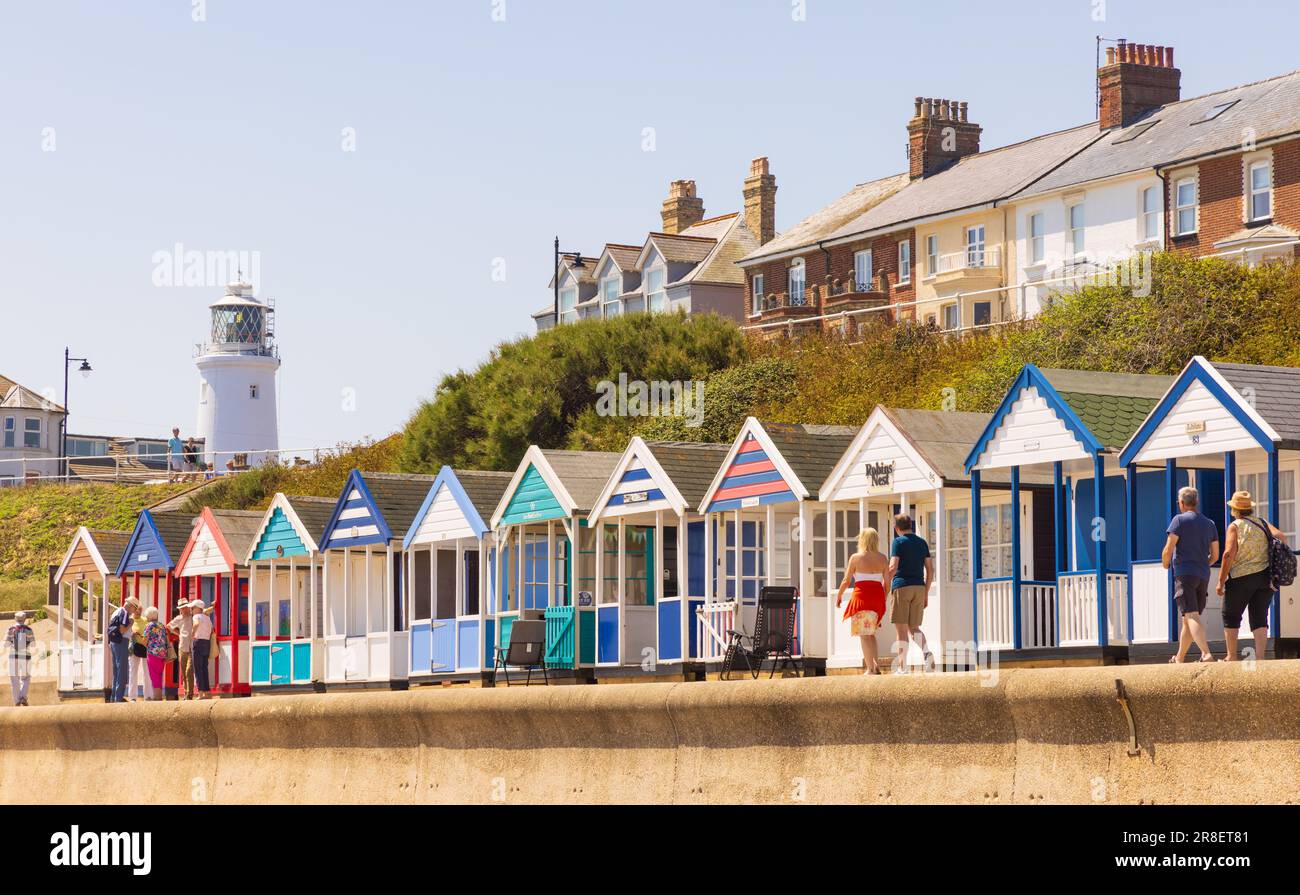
<point>1078,596</point>
<point>971,258</point>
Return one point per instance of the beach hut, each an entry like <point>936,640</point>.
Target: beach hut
<point>1225,427</point>
<point>649,572</point>
<point>539,518</point>
<point>84,581</point>
<point>762,498</point>
<point>449,551</point>
<point>284,586</point>
<point>148,567</point>
<point>366,636</point>
<point>212,568</point>
<point>1070,425</point>
<point>912,461</point>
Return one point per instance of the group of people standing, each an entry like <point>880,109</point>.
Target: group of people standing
<point>141,646</point>
<point>900,581</point>
<point>182,456</point>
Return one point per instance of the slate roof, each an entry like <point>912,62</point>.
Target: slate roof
<point>19,396</point>
<point>313,512</point>
<point>111,545</point>
<point>825,221</point>
<point>1177,132</point>
<point>682,249</point>
<point>691,465</point>
<point>945,438</point>
<point>624,256</point>
<point>239,528</point>
<point>1112,405</point>
<point>484,488</point>
<point>583,473</point>
<point>399,496</point>
<point>812,451</point>
<point>1276,392</point>
<point>174,527</point>
<point>720,266</point>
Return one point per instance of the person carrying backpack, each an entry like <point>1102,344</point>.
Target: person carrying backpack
<point>1246,575</point>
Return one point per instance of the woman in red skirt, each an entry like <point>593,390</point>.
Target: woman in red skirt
<point>867,573</point>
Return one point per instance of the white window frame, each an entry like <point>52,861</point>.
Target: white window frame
<point>1076,237</point>
<point>756,294</point>
<point>1267,191</point>
<point>1257,484</point>
<point>615,280</point>
<point>39,431</point>
<point>975,246</point>
<point>568,304</point>
<point>904,262</point>
<point>932,254</point>
<point>943,318</point>
<point>1036,228</point>
<point>1192,206</point>
<point>660,295</point>
<point>863,270</point>
<point>797,297</point>
<point>1149,216</point>
<point>957,556</point>
<point>1004,555</point>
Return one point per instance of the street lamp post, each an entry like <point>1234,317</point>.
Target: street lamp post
<point>577,262</point>
<point>85,371</point>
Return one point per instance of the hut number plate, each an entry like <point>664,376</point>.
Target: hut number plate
<point>636,497</point>
<point>1196,427</point>
<point>1031,445</point>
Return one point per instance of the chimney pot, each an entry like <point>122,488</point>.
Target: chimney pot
<point>1122,50</point>
<point>1126,94</point>
<point>1169,57</point>
<point>1110,55</point>
<point>918,107</point>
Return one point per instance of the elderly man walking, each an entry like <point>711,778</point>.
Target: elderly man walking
<point>1192,546</point>
<point>19,639</point>
<point>183,627</point>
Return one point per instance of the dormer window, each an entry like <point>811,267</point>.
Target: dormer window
<point>655,294</point>
<point>568,304</point>
<point>610,289</point>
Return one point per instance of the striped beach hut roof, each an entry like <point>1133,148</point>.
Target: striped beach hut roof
<point>157,541</point>
<point>458,504</point>
<point>291,526</point>
<point>374,508</point>
<point>776,463</point>
<point>654,476</point>
<point>554,484</point>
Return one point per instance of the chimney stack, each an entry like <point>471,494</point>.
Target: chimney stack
<point>938,135</point>
<point>682,208</point>
<point>760,201</point>
<point>1135,79</point>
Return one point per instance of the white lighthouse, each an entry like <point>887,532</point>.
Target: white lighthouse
<point>237,367</point>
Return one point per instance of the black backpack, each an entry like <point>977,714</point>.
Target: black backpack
<point>1281,561</point>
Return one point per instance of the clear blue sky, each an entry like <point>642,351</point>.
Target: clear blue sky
<point>475,140</point>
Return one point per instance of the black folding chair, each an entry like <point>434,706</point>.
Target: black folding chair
<point>527,649</point>
<point>773,636</point>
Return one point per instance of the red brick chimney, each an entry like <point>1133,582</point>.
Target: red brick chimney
<point>760,201</point>
<point>939,135</point>
<point>1136,79</point>
<point>682,208</point>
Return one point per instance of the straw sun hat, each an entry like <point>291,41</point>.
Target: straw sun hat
<point>1241,500</point>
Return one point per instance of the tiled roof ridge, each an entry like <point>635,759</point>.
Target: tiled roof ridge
<point>715,219</point>
<point>654,233</point>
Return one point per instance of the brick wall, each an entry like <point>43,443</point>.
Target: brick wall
<point>1221,186</point>
<point>884,258</point>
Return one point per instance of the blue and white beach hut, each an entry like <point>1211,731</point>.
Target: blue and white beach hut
<point>762,499</point>
<point>1227,427</point>
<point>650,569</point>
<point>366,637</point>
<point>1069,424</point>
<point>539,518</point>
<point>284,585</point>
<point>449,562</point>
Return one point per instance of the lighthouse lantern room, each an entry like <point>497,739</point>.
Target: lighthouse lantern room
<point>237,370</point>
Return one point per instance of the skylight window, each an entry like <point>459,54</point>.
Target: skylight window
<point>1216,111</point>
<point>1134,132</point>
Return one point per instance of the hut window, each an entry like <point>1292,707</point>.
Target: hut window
<point>1257,484</point>
<point>995,535</point>
<point>471,583</point>
<point>957,552</point>
<point>445,592</point>
<point>746,558</point>
<point>421,586</point>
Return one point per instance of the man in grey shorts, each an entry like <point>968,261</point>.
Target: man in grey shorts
<point>1191,547</point>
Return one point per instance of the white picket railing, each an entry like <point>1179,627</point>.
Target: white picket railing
<point>712,622</point>
<point>996,622</point>
<point>1078,595</point>
<point>997,614</point>
<point>1037,614</point>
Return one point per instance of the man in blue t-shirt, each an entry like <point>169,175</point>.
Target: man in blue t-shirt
<point>912,570</point>
<point>175,450</point>
<point>1192,546</point>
